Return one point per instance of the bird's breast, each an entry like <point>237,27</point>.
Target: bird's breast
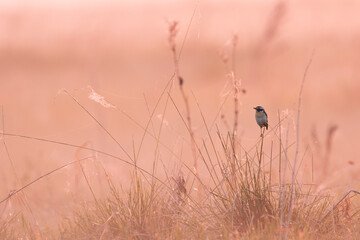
<point>260,118</point>
<point>259,114</point>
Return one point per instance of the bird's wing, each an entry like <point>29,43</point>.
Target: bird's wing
<point>266,121</point>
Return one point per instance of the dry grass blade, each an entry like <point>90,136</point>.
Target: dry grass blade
<point>337,203</point>
<point>73,162</point>
<point>297,143</point>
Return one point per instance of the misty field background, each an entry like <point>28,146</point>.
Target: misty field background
<point>120,50</point>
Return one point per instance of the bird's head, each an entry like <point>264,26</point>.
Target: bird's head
<point>259,109</point>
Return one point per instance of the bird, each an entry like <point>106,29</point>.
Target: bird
<point>261,117</point>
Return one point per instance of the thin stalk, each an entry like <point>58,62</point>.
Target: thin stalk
<point>261,151</point>
<point>297,144</point>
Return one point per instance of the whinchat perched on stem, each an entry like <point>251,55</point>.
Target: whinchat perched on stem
<point>261,117</point>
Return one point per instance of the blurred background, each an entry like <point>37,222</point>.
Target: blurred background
<point>120,50</point>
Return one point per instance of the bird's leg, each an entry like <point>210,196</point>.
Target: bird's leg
<point>262,131</point>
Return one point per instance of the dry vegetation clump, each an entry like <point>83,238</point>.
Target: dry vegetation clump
<point>18,227</point>
<point>239,203</point>
<point>139,213</point>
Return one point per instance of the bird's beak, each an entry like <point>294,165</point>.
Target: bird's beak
<point>254,107</point>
